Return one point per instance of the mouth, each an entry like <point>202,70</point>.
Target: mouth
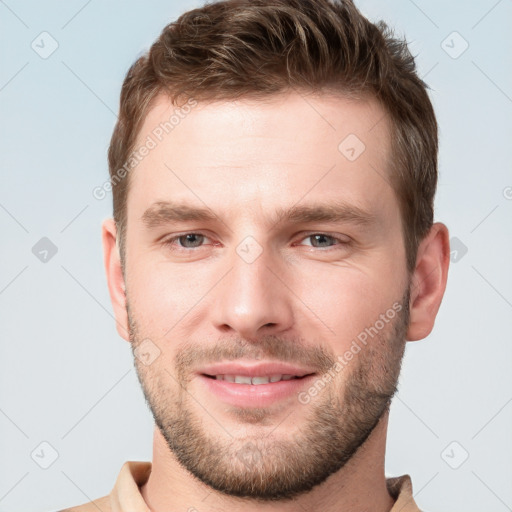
<point>246,385</point>
<point>255,380</point>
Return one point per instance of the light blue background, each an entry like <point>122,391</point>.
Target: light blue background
<point>67,378</point>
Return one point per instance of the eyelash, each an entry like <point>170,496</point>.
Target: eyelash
<point>170,241</point>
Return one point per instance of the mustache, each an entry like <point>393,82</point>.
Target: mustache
<point>269,348</point>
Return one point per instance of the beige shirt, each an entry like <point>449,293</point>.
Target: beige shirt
<point>126,497</point>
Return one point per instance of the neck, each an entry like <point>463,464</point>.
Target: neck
<point>359,486</point>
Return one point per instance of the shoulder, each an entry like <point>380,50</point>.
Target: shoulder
<point>126,490</point>
<point>400,489</point>
<point>102,504</point>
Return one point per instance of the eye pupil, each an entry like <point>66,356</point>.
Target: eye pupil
<point>316,238</point>
<point>190,238</point>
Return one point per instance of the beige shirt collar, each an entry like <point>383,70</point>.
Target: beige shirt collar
<point>126,497</point>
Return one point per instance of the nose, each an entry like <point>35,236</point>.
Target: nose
<point>251,300</point>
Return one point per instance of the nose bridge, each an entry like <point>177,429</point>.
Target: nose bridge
<point>250,296</point>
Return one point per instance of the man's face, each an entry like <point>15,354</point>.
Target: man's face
<point>253,293</point>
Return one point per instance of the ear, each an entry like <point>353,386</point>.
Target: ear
<point>115,280</point>
<point>428,281</point>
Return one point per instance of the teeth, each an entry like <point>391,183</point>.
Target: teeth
<point>243,379</point>
<point>240,379</point>
<point>260,380</point>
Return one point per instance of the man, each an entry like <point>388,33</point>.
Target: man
<point>273,248</point>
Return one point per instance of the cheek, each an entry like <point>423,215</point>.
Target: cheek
<point>165,296</point>
<point>345,301</point>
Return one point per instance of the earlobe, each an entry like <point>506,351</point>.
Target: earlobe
<point>115,279</point>
<point>428,282</point>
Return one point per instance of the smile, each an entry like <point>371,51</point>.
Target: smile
<point>244,379</point>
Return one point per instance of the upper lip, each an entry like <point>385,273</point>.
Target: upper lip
<point>249,369</point>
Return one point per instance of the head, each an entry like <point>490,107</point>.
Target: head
<point>294,121</point>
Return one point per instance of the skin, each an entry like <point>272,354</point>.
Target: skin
<point>302,299</point>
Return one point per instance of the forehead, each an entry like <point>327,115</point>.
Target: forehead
<point>295,115</point>
<point>269,151</point>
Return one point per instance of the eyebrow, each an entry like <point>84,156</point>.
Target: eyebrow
<point>166,212</point>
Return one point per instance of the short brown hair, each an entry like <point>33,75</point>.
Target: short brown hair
<point>255,48</point>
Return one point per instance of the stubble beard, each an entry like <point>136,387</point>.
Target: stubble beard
<point>265,467</point>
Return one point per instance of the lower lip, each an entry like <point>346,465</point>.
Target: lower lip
<point>250,395</point>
